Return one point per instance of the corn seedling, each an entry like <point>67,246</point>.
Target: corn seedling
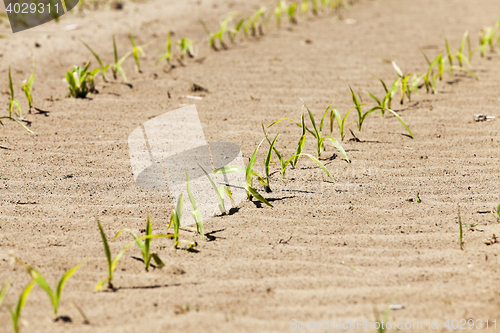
<point>293,159</point>
<point>249,174</point>
<point>175,220</point>
<point>195,212</point>
<point>104,69</point>
<point>27,87</point>
<point>117,65</point>
<point>111,262</point>
<point>37,277</point>
<point>291,12</point>
<point>220,192</point>
<point>137,51</point>
<point>15,314</point>
<point>486,38</point>
<point>362,116</point>
<point>341,123</point>
<point>146,245</point>
<point>253,23</point>
<point>304,8</point>
<point>460,53</point>
<point>13,102</point>
<point>405,87</point>
<point>318,135</point>
<point>212,37</point>
<point>496,214</point>
<point>81,81</point>
<point>233,32</point>
<point>167,56</point>
<point>186,46</point>
<point>278,11</point>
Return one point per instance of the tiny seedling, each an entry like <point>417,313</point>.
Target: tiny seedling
<point>249,174</point>
<point>137,51</point>
<point>362,116</point>
<point>487,37</point>
<point>284,163</point>
<point>167,56</point>
<point>186,46</point>
<point>212,37</point>
<point>318,135</point>
<point>496,214</point>
<point>81,81</point>
<point>146,245</point>
<point>117,65</point>
<point>195,212</point>
<point>111,262</point>
<point>37,277</point>
<point>278,11</point>
<point>175,221</point>
<point>15,314</point>
<point>27,87</point>
<point>291,12</point>
<point>253,23</point>
<point>104,69</point>
<point>304,8</point>
<point>14,102</point>
<point>220,192</point>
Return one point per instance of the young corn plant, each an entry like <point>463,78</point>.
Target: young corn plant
<point>293,158</point>
<point>175,221</point>
<point>111,262</point>
<point>253,23</point>
<point>406,88</point>
<point>386,102</point>
<point>362,116</point>
<point>220,192</point>
<point>304,8</point>
<point>249,174</point>
<point>213,37</point>
<point>145,246</point>
<point>15,314</point>
<point>291,11</point>
<point>233,32</point>
<point>14,102</point>
<point>186,46</point>
<point>117,65</point>
<point>54,296</point>
<point>27,87</point>
<point>195,212</point>
<point>167,56</point>
<point>278,11</point>
<point>341,123</point>
<point>103,69</point>
<point>81,81</point>
<point>318,133</point>
<point>487,38</point>
<point>137,51</point>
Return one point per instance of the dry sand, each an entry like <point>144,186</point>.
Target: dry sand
<point>260,267</point>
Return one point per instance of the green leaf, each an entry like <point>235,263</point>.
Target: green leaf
<point>402,122</point>
<point>337,145</point>
<point>320,165</point>
<point>219,193</point>
<point>398,70</point>
<point>256,194</point>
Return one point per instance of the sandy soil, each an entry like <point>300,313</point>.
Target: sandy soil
<point>260,267</point>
